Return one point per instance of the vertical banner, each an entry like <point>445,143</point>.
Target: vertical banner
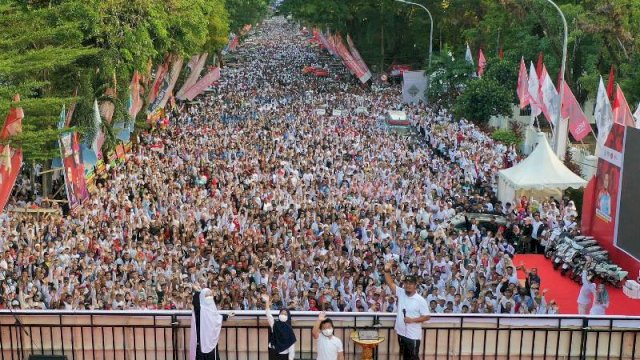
<point>414,87</point>
<point>356,55</point>
<point>165,87</point>
<point>194,74</point>
<point>135,96</point>
<point>161,73</point>
<point>203,84</point>
<point>74,174</point>
<point>10,158</point>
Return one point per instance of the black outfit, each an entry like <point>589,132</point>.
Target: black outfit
<point>281,337</point>
<point>409,348</point>
<point>214,354</point>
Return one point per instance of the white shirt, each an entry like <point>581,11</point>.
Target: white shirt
<point>415,306</point>
<point>329,348</point>
<point>586,291</point>
<point>291,351</point>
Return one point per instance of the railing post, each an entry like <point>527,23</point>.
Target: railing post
<point>583,341</point>
<point>174,335</point>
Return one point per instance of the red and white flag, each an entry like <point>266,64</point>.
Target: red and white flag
<point>534,92</point>
<point>578,122</point>
<point>10,158</point>
<point>482,63</point>
<point>549,96</point>
<point>621,111</point>
<point>13,124</point>
<point>603,113</point>
<point>523,85</point>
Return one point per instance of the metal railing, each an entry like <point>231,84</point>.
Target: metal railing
<point>165,335</point>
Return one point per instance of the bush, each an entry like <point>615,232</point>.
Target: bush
<point>507,137</point>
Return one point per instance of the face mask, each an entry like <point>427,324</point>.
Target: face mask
<point>327,332</point>
<point>283,317</point>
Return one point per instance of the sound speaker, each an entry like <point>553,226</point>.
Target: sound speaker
<point>48,357</point>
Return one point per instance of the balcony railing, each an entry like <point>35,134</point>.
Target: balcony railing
<point>161,335</point>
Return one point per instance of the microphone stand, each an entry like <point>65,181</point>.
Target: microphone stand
<point>20,330</point>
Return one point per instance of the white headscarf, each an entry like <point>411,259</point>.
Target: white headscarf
<point>210,326</point>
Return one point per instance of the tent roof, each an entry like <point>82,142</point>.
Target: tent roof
<point>541,170</point>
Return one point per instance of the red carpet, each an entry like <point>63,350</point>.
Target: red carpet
<point>565,291</point>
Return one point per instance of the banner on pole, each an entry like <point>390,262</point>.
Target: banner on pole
<point>74,174</point>
<point>212,76</point>
<point>414,87</point>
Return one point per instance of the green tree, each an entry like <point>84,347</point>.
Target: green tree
<point>482,99</point>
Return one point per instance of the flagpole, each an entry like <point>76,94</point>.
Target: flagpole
<point>430,18</point>
<point>562,132</point>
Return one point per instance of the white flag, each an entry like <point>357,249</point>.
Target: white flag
<point>468,56</point>
<point>636,116</point>
<point>550,97</point>
<point>603,113</point>
<point>534,92</point>
<point>98,139</point>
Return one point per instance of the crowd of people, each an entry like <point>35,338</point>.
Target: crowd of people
<point>254,192</point>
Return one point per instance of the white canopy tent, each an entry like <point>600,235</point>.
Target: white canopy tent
<point>540,175</point>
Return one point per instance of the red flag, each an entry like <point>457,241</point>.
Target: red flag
<point>10,158</point>
<point>621,111</point>
<point>501,54</point>
<point>482,63</point>
<point>13,124</point>
<point>523,85</point>
<point>10,162</point>
<point>578,122</point>
<point>540,63</point>
<point>611,82</point>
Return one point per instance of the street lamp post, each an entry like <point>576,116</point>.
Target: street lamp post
<point>562,127</point>
<point>430,18</point>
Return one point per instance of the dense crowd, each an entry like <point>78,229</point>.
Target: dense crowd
<point>254,192</point>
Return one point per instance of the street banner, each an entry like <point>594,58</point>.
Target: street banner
<point>348,59</point>
<point>523,85</point>
<point>578,123</point>
<point>165,92</point>
<point>166,86</point>
<point>550,97</point>
<point>414,87</point>
<point>10,157</point>
<point>161,73</point>
<point>10,162</point>
<point>603,113</point>
<point>74,174</point>
<point>135,96</point>
<point>356,55</point>
<point>193,77</point>
<point>205,82</point>
<point>621,111</point>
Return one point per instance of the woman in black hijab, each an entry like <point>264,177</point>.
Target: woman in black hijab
<point>282,340</point>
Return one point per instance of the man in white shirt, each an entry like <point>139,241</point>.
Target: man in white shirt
<point>329,346</point>
<point>413,310</point>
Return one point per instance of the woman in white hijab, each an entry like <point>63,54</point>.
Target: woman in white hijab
<point>206,323</point>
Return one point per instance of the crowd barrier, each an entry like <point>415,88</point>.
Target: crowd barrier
<point>165,335</point>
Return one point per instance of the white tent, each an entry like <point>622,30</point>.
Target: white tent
<point>540,175</point>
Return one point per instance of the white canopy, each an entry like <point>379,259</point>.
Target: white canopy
<point>540,173</point>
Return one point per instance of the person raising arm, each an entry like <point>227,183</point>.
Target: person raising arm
<point>413,310</point>
<point>329,346</point>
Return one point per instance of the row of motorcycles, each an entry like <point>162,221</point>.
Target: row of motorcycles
<point>571,254</point>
